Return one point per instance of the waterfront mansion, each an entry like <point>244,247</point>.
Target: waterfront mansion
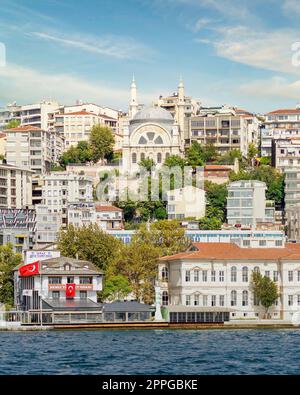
<point>216,277</point>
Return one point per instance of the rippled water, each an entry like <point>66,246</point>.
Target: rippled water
<point>151,352</point>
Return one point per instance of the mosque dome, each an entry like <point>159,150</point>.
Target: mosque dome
<point>157,114</point>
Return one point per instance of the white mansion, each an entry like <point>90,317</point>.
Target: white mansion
<point>152,132</point>
<point>216,277</point>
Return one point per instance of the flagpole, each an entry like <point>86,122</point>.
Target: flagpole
<point>41,313</point>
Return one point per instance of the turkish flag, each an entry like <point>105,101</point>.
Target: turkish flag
<point>70,290</point>
<point>29,270</point>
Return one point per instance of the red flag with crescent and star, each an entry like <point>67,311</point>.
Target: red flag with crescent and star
<point>70,290</point>
<point>31,269</point>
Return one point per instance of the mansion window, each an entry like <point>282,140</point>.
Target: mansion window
<point>298,275</point>
<point>255,300</point>
<point>165,274</point>
<point>213,300</point>
<point>204,275</point>
<point>142,156</point>
<point>298,300</point>
<point>290,275</point>
<point>245,298</point>
<point>159,157</point>
<point>245,274</point>
<point>196,275</point>
<point>233,298</point>
<point>213,276</point>
<point>133,157</point>
<point>221,275</point>
<point>187,275</point>
<point>221,300</point>
<point>275,276</point>
<point>196,300</point>
<point>85,280</point>
<point>204,300</point>
<point>267,273</point>
<point>233,274</point>
<point>256,269</point>
<point>54,280</point>
<point>165,298</point>
<point>188,300</point>
<point>290,300</point>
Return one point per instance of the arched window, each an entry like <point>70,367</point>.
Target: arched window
<point>167,155</point>
<point>233,274</point>
<point>159,157</point>
<point>142,156</point>
<point>245,298</point>
<point>245,274</point>
<point>134,157</point>
<point>233,298</point>
<point>165,274</point>
<point>165,298</point>
<point>142,140</point>
<point>158,140</point>
<point>256,269</point>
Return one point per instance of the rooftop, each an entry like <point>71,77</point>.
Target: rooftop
<point>100,208</point>
<point>285,111</point>
<point>231,251</point>
<point>25,128</point>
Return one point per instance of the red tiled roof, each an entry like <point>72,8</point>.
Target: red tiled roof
<point>216,167</point>
<point>285,111</point>
<point>231,251</point>
<point>242,111</point>
<point>100,208</point>
<point>25,128</point>
<point>2,135</point>
<point>83,112</point>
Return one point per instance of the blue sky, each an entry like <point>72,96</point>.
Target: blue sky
<point>234,52</point>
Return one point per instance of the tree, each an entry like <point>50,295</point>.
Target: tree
<point>210,223</point>
<point>8,261</point>
<point>116,288</point>
<point>229,157</point>
<point>216,198</point>
<point>147,163</point>
<point>252,152</point>
<point>101,142</point>
<point>89,243</point>
<point>14,123</point>
<point>80,154</point>
<point>175,160</point>
<point>195,155</point>
<point>265,290</point>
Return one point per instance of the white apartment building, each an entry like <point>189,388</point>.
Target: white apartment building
<point>29,147</point>
<point>247,205</point>
<point>15,187</point>
<point>48,224</point>
<point>107,217</point>
<point>76,126</point>
<point>61,188</point>
<point>186,202</point>
<point>286,153</point>
<point>292,187</point>
<point>215,278</point>
<point>279,124</point>
<point>226,128</point>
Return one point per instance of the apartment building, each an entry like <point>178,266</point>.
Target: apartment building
<point>170,103</point>
<point>292,187</point>
<point>61,188</point>
<point>286,153</point>
<point>107,217</point>
<point>212,281</point>
<point>279,124</point>
<point>48,224</point>
<point>29,147</point>
<point>226,128</point>
<point>247,205</point>
<point>17,226</point>
<point>186,202</point>
<point>15,187</point>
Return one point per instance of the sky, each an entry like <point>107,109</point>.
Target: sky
<point>244,53</point>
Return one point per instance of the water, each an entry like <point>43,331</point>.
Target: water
<point>151,352</point>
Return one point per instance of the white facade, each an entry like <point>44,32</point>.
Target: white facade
<point>286,153</point>
<point>48,224</point>
<point>218,276</point>
<point>247,205</point>
<point>187,202</point>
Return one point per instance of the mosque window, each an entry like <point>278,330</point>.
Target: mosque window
<point>150,135</point>
<point>158,140</point>
<point>134,157</point>
<point>159,157</point>
<point>142,156</point>
<point>142,140</point>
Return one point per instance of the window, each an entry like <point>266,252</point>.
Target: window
<point>221,300</point>
<point>267,273</point>
<point>196,300</point>
<point>165,274</point>
<point>221,275</point>
<point>165,298</point>
<point>290,275</point>
<point>245,298</point>
<point>275,276</point>
<point>256,269</point>
<point>55,294</point>
<point>298,300</point>
<point>298,275</point>
<point>262,243</point>
<point>159,157</point>
<point>290,300</point>
<point>213,275</point>
<point>54,280</point>
<point>278,243</point>
<point>188,300</point>
<point>245,274</point>
<point>83,295</point>
<point>187,275</point>
<point>204,300</point>
<point>133,157</point>
<point>142,156</point>
<point>85,280</point>
<point>255,300</point>
<point>196,275</point>
<point>213,300</point>
<point>233,298</point>
<point>233,274</point>
<point>204,275</point>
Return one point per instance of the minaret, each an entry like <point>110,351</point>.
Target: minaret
<point>180,106</point>
<point>133,106</point>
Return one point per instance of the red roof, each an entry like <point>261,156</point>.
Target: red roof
<point>216,167</point>
<point>2,135</point>
<point>231,251</point>
<point>83,112</point>
<point>285,111</point>
<point>25,128</point>
<point>100,208</point>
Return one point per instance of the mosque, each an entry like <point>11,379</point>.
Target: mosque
<point>152,132</point>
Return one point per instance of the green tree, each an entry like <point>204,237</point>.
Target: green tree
<point>210,223</point>
<point>194,155</point>
<point>8,261</point>
<point>14,123</point>
<point>252,153</point>
<point>147,163</point>
<point>175,160</point>
<point>89,243</point>
<point>101,142</point>
<point>229,157</point>
<point>116,288</point>
<point>216,199</point>
<point>265,290</point>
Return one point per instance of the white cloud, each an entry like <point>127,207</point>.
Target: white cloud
<point>27,85</point>
<point>291,7</point>
<point>270,50</point>
<point>274,87</point>
<point>113,46</point>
